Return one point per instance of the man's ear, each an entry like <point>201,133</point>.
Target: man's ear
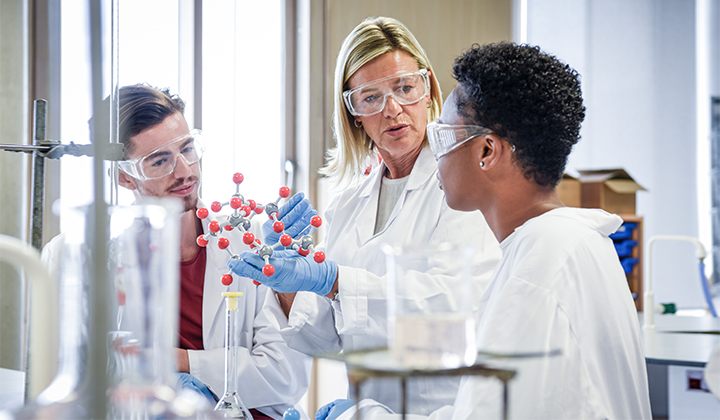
<point>127,181</point>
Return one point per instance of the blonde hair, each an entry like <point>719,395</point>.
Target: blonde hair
<point>370,39</point>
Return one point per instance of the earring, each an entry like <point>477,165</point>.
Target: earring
<point>429,105</point>
<point>358,123</point>
<point>482,163</point>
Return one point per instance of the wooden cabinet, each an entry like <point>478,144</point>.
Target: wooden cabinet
<point>629,244</point>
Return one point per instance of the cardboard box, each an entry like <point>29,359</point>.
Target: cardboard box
<point>569,191</point>
<point>612,190</point>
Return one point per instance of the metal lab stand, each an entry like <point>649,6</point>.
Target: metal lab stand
<point>42,149</point>
<point>364,365</point>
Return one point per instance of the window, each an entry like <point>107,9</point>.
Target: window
<point>241,87</point>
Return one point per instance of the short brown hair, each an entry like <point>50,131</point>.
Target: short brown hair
<point>143,106</point>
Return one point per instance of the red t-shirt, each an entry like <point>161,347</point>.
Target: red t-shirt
<point>192,281</point>
<point>258,415</point>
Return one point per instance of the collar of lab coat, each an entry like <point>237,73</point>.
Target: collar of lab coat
<point>422,170</point>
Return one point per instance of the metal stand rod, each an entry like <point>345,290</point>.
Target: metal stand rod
<point>403,394</point>
<point>38,188</point>
<point>357,400</point>
<point>36,224</point>
<point>505,401</point>
<point>97,383</point>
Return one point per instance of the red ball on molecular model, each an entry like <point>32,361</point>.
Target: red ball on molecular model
<point>278,226</point>
<point>303,252</point>
<point>227,279</point>
<point>286,240</point>
<point>236,203</point>
<point>214,226</point>
<point>238,178</point>
<point>319,257</point>
<point>216,206</point>
<point>248,238</point>
<point>268,270</point>
<point>120,295</point>
<point>202,241</point>
<point>202,213</point>
<point>252,204</point>
<point>316,221</point>
<point>284,192</point>
<point>223,243</point>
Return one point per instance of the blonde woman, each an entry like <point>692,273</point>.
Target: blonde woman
<point>385,94</point>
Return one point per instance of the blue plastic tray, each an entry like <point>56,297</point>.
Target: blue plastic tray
<point>625,231</point>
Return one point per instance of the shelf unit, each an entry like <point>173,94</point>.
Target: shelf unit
<point>635,276</point>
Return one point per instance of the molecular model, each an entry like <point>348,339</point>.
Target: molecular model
<point>243,212</point>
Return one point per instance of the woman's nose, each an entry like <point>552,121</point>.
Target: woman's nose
<point>392,107</point>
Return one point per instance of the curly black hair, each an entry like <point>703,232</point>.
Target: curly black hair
<point>529,98</point>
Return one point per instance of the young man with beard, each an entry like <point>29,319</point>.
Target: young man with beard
<point>163,160</point>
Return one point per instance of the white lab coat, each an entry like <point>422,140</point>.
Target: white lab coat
<point>558,286</point>
<point>358,319</point>
<point>271,376</point>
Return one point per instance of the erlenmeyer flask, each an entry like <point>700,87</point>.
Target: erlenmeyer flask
<point>231,405</point>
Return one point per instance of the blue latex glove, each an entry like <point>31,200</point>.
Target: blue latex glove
<point>295,214</point>
<point>334,409</point>
<point>293,272</point>
<point>187,381</point>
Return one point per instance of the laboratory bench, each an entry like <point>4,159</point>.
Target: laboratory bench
<point>678,348</point>
<point>676,352</point>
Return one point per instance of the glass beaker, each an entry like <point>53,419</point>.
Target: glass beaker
<point>431,324</point>
<point>145,251</point>
<point>68,260</point>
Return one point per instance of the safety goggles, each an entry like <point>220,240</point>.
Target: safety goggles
<point>161,161</point>
<point>444,138</point>
<point>370,98</point>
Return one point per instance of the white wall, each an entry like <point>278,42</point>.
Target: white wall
<point>637,60</point>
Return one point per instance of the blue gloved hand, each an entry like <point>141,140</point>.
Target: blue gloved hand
<point>334,409</point>
<point>293,272</point>
<point>187,381</point>
<point>295,214</point>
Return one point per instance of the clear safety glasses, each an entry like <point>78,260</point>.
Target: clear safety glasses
<point>445,138</point>
<point>370,98</point>
<point>161,161</point>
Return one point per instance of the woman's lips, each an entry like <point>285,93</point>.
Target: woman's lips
<point>397,130</point>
